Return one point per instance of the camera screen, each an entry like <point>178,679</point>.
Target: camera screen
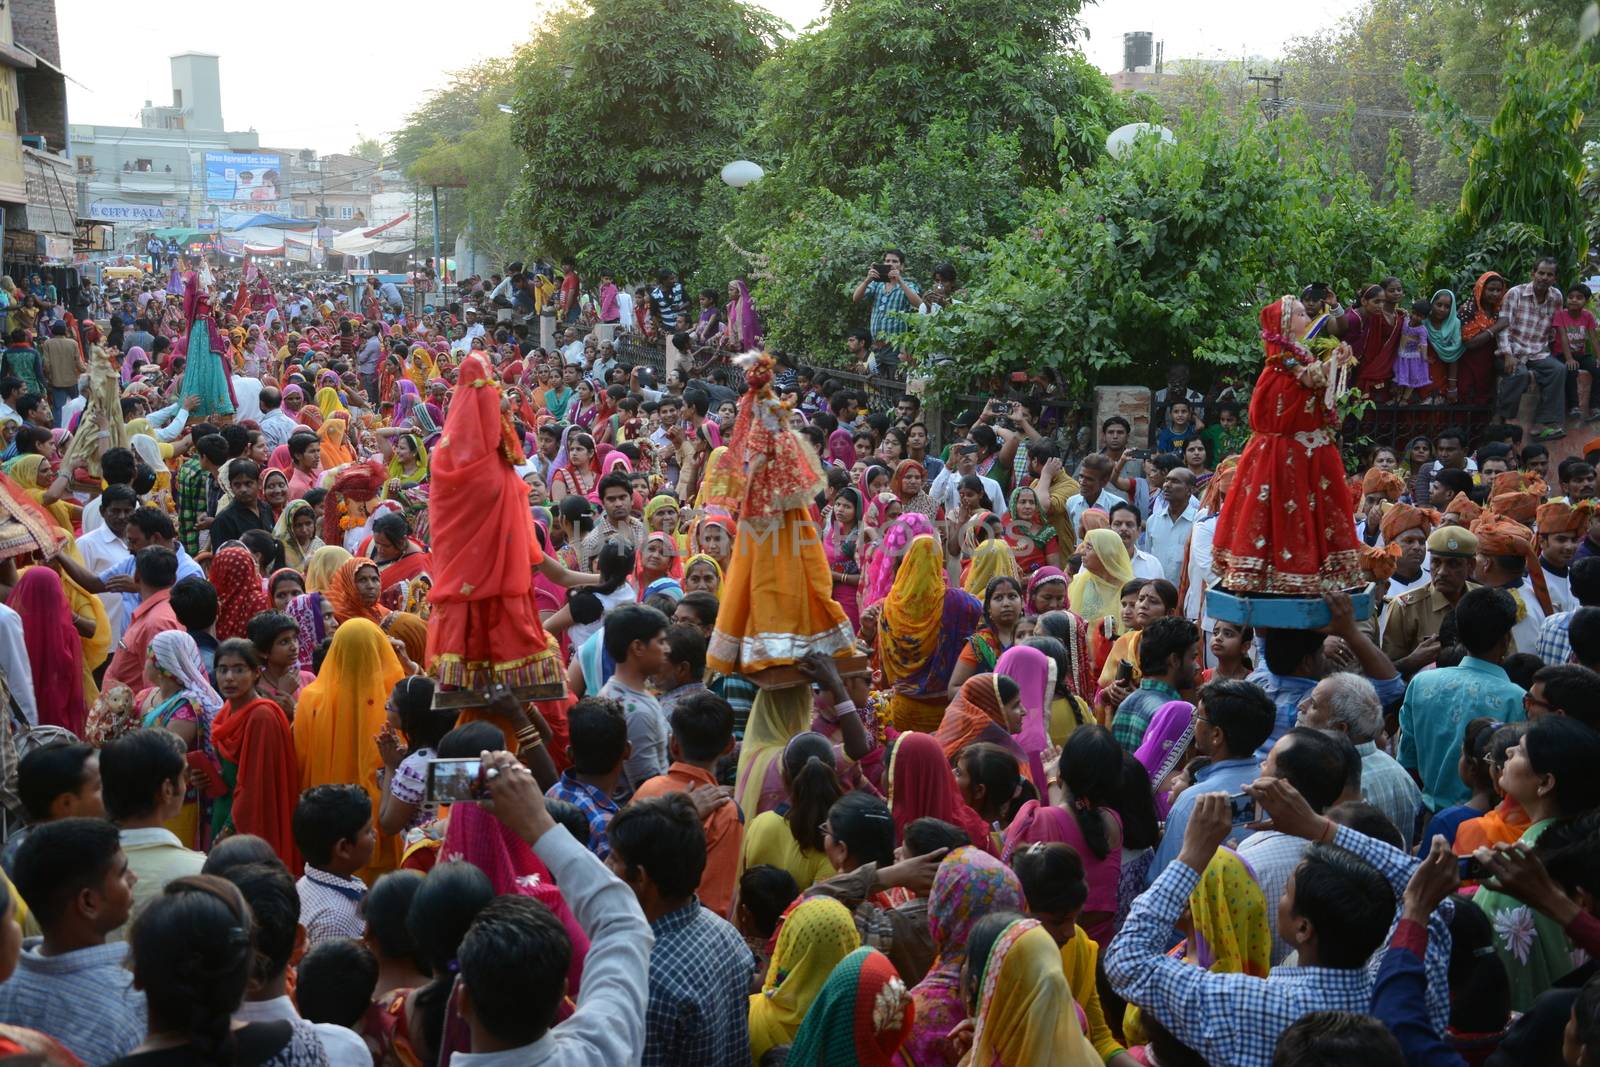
<point>452,780</point>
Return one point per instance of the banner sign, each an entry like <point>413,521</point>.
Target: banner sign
<point>250,178</point>
<point>113,211</point>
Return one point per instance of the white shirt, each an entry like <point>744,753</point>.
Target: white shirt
<point>277,427</point>
<point>1146,566</point>
<point>573,354</point>
<point>71,408</point>
<point>607,1029</point>
<point>14,662</point>
<point>945,491</point>
<point>343,1045</point>
<point>1077,505</point>
<point>1560,587</point>
<point>1201,537</point>
<point>102,550</point>
<point>1526,632</point>
<point>247,398</point>
<point>625,310</point>
<point>1167,537</point>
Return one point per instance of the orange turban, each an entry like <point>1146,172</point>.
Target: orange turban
<point>1390,484</point>
<point>1558,516</point>
<point>1517,482</point>
<point>1380,562</point>
<point>1591,445</point>
<point>1500,536</point>
<point>1518,506</point>
<point>1221,479</point>
<point>1463,508</point>
<point>1399,518</point>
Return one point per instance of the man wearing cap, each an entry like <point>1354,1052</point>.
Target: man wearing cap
<point>1506,560</point>
<point>1411,634</point>
<point>1561,526</point>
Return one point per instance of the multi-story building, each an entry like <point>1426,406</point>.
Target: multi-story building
<point>180,166</point>
<point>36,182</point>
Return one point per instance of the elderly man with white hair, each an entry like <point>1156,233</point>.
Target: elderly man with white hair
<point>1346,703</point>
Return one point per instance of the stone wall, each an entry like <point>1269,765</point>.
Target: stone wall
<point>1132,402</point>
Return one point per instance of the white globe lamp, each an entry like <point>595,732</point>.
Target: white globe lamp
<point>742,172</point>
<point>1122,139</point>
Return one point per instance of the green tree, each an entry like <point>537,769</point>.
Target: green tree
<point>844,92</point>
<point>369,148</point>
<point>1167,253</point>
<point>623,111</point>
<point>1525,166</point>
<point>447,114</point>
<point>936,198</point>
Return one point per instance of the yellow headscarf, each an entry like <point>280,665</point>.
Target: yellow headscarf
<point>992,559</point>
<point>1026,1017</point>
<point>1231,935</point>
<point>1092,597</point>
<point>815,937</point>
<point>420,367</point>
<point>339,716</point>
<point>421,474</point>
<point>775,717</point>
<point>323,564</point>
<point>293,555</point>
<point>701,557</point>
<point>710,486</point>
<point>913,610</point>
<point>328,402</point>
<point>25,472</point>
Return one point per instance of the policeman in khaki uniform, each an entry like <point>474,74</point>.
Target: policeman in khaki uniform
<point>1411,637</point>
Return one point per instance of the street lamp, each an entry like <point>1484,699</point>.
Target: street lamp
<point>742,172</point>
<point>505,109</point>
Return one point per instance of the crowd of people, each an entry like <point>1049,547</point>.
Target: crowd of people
<point>387,689</point>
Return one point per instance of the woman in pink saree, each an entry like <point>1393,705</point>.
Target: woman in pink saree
<point>743,325</point>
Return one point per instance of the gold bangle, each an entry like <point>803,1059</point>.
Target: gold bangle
<point>529,737</point>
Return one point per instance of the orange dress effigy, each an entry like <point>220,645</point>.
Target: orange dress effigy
<point>485,622</point>
<point>1287,526</point>
<point>777,598</point>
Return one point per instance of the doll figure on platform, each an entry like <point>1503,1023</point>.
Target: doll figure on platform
<point>1287,526</point>
<point>777,597</point>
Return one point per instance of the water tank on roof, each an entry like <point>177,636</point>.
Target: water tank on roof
<point>1138,50</point>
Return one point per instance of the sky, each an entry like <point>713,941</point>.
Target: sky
<point>279,78</point>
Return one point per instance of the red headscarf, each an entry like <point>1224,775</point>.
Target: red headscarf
<point>921,784</point>
<point>240,596</point>
<point>54,651</point>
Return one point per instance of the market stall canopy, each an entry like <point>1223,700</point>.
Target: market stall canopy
<point>396,235</point>
<point>182,234</point>
<point>243,221</point>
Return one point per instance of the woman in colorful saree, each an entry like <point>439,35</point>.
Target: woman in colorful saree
<point>861,1016</point>
<point>1225,929</point>
<point>921,632</point>
<point>1025,1016</point>
<point>968,885</point>
<point>815,936</point>
<point>340,715</point>
<point>1096,592</point>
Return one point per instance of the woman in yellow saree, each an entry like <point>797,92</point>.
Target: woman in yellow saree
<point>1097,590</point>
<point>339,716</point>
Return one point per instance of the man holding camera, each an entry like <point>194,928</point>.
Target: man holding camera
<point>893,295</point>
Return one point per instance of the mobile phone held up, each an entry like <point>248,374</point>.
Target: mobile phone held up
<point>1242,807</point>
<point>1125,672</point>
<point>451,781</point>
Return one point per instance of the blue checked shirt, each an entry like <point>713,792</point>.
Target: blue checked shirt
<point>1236,1019</point>
<point>699,1009</point>
<point>1555,647</point>
<point>889,303</point>
<point>595,805</point>
<point>84,999</point>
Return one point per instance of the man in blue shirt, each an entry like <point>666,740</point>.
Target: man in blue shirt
<point>893,296</point>
<point>1232,717</point>
<point>1294,661</point>
<point>1439,703</point>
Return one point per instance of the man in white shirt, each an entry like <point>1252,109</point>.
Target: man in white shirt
<point>1094,474</point>
<point>1561,530</point>
<point>106,546</point>
<point>571,348</point>
<point>508,952</point>
<point>1128,526</point>
<point>15,664</point>
<point>276,426</point>
<point>946,488</point>
<point>1166,535</point>
<point>625,310</point>
<point>275,906</point>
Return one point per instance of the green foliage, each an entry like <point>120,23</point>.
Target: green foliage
<point>936,199</point>
<point>1167,253</point>
<point>369,148</point>
<point>1525,166</point>
<point>447,115</point>
<point>623,110</point>
<point>843,93</point>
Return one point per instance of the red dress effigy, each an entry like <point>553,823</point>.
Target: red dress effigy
<point>1287,526</point>
<point>485,623</point>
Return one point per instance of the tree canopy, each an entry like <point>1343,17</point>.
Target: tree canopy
<point>623,111</point>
